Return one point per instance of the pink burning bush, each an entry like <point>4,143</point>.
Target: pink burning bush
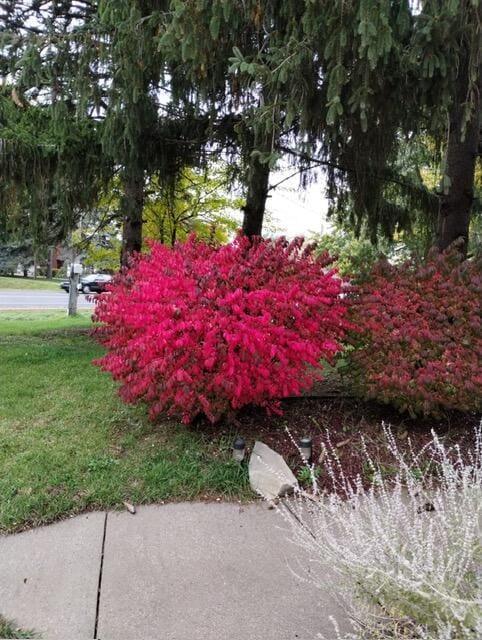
<point>203,329</point>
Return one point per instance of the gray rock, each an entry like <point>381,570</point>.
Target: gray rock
<point>269,474</point>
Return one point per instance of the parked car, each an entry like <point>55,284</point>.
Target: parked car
<point>65,285</point>
<point>93,283</point>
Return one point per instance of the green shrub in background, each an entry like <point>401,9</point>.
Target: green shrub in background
<point>354,256</point>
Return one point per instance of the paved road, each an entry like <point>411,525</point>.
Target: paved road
<point>27,299</point>
<point>186,571</point>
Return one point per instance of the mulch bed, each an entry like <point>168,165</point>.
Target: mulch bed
<point>345,420</point>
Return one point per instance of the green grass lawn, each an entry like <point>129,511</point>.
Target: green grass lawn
<point>18,282</point>
<point>68,444</point>
<point>41,322</point>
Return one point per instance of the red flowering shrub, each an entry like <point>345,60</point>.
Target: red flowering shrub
<point>420,346</point>
<point>203,329</point>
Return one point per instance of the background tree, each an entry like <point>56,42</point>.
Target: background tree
<point>348,85</point>
<point>199,203</point>
<point>352,81</point>
<point>426,66</point>
<point>209,48</point>
<point>101,249</point>
<point>13,255</point>
<point>45,185</point>
<point>97,63</point>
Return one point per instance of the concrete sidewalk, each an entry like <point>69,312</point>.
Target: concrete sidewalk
<point>189,571</point>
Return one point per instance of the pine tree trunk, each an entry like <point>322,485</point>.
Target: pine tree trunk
<point>131,209</point>
<point>48,274</point>
<point>258,183</point>
<point>456,204</point>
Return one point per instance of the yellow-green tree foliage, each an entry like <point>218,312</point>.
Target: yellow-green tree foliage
<point>199,202</point>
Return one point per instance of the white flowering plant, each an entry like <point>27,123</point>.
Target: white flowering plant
<point>403,555</point>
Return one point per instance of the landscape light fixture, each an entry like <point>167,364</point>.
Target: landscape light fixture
<point>239,449</point>
<point>306,445</point>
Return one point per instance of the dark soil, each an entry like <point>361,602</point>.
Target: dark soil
<point>344,421</point>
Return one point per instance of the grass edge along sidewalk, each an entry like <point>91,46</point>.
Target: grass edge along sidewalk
<point>68,444</point>
<point>8,629</point>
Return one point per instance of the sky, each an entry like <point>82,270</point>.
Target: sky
<point>294,211</point>
<point>297,211</point>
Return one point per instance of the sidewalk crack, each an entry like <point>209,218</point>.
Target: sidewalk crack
<point>99,584</point>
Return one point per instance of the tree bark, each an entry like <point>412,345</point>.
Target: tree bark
<point>132,205</point>
<point>73,292</point>
<point>258,184</point>
<point>456,204</point>
<point>48,273</point>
